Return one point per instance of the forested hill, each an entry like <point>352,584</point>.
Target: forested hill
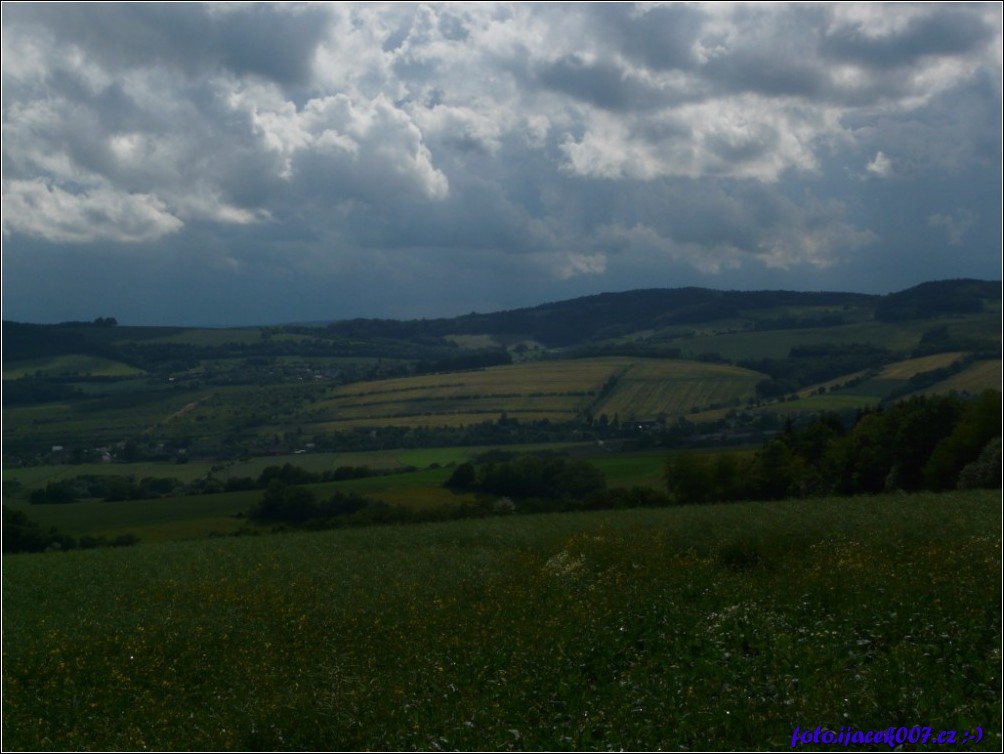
<point>610,315</point>
<point>575,322</point>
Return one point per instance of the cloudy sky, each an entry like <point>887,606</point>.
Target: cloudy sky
<point>226,164</point>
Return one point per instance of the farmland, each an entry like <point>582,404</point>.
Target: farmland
<point>596,365</point>
<point>647,615</point>
<point>194,516</point>
<point>553,390</point>
<point>701,627</point>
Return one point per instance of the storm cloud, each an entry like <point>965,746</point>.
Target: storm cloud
<point>221,164</point>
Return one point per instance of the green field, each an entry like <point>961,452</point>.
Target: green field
<point>212,336</point>
<point>983,375</point>
<point>900,337</point>
<point>554,390</point>
<point>158,520</point>
<point>73,364</point>
<point>103,420</point>
<point>649,388</point>
<point>704,627</point>
<point>195,516</point>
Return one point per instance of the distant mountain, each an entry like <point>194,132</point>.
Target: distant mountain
<point>608,315</point>
<point>937,298</point>
<point>574,322</point>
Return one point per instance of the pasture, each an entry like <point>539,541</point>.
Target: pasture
<point>195,516</point>
<point>982,375</point>
<point>711,627</point>
<point>900,337</point>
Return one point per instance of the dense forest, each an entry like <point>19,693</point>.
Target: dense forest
<point>923,443</point>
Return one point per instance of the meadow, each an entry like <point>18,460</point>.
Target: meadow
<point>417,484</point>
<point>698,627</point>
<point>896,336</point>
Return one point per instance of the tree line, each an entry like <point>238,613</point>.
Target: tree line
<point>21,534</point>
<point>923,443</point>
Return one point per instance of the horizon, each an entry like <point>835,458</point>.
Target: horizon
<point>306,323</point>
<point>219,165</point>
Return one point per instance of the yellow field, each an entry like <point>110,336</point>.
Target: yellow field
<point>904,370</point>
<point>553,390</point>
<point>81,364</point>
<point>983,375</point>
<point>648,388</point>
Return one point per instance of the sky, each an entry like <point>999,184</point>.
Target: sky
<point>225,164</point>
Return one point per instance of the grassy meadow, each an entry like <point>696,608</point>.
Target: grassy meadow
<point>700,627</point>
<point>896,336</point>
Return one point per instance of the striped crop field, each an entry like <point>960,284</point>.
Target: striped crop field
<point>553,390</point>
<point>904,370</point>
<point>649,388</point>
<point>983,375</point>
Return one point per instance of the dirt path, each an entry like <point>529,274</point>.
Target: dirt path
<point>180,412</point>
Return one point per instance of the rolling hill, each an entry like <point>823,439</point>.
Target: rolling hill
<point>636,356</point>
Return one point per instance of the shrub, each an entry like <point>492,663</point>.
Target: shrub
<point>985,471</point>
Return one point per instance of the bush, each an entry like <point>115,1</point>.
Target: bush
<point>985,471</point>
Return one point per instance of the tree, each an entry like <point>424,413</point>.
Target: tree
<point>687,478</point>
<point>985,471</point>
<point>464,477</point>
<point>977,426</point>
<point>918,426</point>
<point>776,469</point>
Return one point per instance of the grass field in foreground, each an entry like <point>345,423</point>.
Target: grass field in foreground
<point>716,627</point>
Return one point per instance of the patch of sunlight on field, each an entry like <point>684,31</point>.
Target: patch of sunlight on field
<point>439,420</point>
<point>652,387</point>
<point>984,375</point>
<point>71,364</point>
<point>904,370</point>
<point>556,391</point>
<point>536,377</point>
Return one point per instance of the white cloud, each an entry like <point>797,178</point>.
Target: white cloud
<point>36,208</point>
<point>881,166</point>
<point>713,136</point>
<point>955,225</point>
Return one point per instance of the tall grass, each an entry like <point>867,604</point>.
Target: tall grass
<point>702,627</point>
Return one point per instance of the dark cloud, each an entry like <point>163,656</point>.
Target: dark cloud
<point>603,83</point>
<point>275,161</point>
<point>252,39</point>
<point>942,32</point>
<point>660,37</point>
